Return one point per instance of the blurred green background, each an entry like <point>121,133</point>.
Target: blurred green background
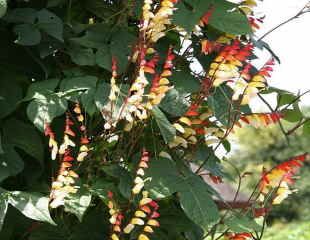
<point>269,147</point>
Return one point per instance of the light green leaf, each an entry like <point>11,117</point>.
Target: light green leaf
<point>197,202</point>
<point>44,109</point>
<point>3,206</point>
<point>167,130</point>
<point>78,203</point>
<point>306,128</point>
<point>39,88</point>
<point>32,205</point>
<point>3,8</point>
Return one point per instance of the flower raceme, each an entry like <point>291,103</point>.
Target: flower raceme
<point>52,143</point>
<point>64,184</point>
<point>155,22</point>
<point>280,178</point>
<point>259,119</point>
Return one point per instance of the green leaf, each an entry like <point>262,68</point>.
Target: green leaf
<point>165,179</point>
<point>174,103</point>
<point>306,128</point>
<point>85,87</point>
<point>167,130</point>
<point>212,164</point>
<point>96,36</point>
<point>78,203</point>
<point>239,224</point>
<point>223,107</point>
<point>25,137</point>
<point>21,15</point>
<point>286,98</point>
<point>82,56</point>
<point>102,95</point>
<point>27,34</point>
<point>9,99</point>
<point>100,188</point>
<point>3,8</point>
<point>10,162</point>
<point>292,115</point>
<point>39,88</point>
<point>32,205</point>
<point>104,58</point>
<point>3,206</point>
<point>44,109</point>
<point>50,23</point>
<point>184,82</point>
<point>188,16</point>
<point>227,18</point>
<point>197,202</point>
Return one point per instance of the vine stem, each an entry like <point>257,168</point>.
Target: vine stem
<point>305,9</point>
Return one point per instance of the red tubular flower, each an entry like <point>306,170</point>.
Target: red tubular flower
<point>68,125</point>
<point>150,66</point>
<point>239,236</point>
<point>206,17</point>
<point>260,119</point>
<point>280,178</point>
<point>193,110</point>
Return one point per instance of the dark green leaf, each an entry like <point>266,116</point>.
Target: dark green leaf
<point>24,136</point>
<point>9,99</point>
<point>83,57</point>
<point>165,178</point>
<point>167,130</point>
<point>28,34</point>
<point>292,115</point>
<point>102,95</point>
<point>10,162</point>
<point>174,103</point>
<point>241,224</point>
<point>227,18</point>
<point>197,202</point>
<point>32,205</point>
<point>50,23</point>
<point>184,82</point>
<point>21,15</point>
<point>187,17</point>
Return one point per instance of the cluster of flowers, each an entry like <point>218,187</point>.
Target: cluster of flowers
<point>116,217</point>
<point>195,123</point>
<point>154,22</point>
<point>65,180</point>
<point>145,215</point>
<point>138,102</point>
<point>260,119</point>
<point>280,178</point>
<point>274,188</point>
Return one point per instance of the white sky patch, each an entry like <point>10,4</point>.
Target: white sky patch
<point>291,43</point>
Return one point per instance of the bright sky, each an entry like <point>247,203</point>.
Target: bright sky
<point>290,42</point>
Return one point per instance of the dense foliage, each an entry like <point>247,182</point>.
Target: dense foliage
<point>135,99</point>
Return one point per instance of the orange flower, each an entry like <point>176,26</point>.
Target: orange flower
<point>280,178</point>
<point>239,236</point>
